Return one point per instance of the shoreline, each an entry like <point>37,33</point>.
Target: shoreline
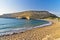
<point>19,30</point>
<point>51,32</point>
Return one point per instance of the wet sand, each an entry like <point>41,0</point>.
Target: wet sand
<point>51,32</point>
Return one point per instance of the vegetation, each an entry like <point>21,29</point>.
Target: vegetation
<point>58,18</point>
<point>31,15</point>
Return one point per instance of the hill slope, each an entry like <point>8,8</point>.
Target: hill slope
<point>30,14</point>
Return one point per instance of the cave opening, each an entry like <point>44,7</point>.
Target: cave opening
<point>23,18</point>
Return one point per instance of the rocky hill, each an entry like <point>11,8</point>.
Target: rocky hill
<point>30,14</point>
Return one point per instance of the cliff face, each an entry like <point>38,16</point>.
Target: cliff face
<point>30,14</point>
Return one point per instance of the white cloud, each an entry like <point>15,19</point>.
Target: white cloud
<point>8,6</point>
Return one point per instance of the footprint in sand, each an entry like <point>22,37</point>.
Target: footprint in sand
<point>48,37</point>
<point>57,39</point>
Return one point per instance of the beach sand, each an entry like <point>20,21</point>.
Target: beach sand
<point>51,32</point>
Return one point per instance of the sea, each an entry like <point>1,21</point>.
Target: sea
<point>11,25</point>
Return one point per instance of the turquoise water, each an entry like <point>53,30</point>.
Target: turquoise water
<point>8,24</point>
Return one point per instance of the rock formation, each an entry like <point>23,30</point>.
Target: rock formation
<point>30,15</point>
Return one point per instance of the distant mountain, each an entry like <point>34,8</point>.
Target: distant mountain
<point>30,14</point>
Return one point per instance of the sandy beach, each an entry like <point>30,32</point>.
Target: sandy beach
<point>51,32</point>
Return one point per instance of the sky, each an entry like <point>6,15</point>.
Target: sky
<point>12,6</point>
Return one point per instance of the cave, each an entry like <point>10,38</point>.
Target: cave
<point>28,18</point>
<point>23,18</point>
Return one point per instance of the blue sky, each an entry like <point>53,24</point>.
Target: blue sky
<point>9,6</point>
